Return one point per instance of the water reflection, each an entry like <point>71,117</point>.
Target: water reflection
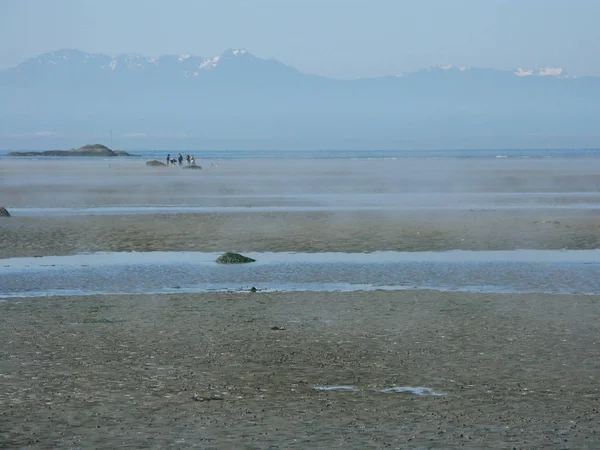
<point>544,271</point>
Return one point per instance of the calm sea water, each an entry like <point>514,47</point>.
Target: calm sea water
<point>362,154</point>
<point>525,271</point>
<point>520,179</point>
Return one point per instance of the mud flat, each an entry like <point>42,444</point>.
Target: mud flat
<point>301,370</point>
<point>399,369</point>
<point>113,204</point>
<point>303,232</point>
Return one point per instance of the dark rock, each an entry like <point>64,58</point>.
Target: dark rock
<point>252,289</point>
<point>4,212</point>
<point>193,166</point>
<point>155,163</point>
<point>25,154</point>
<point>86,150</point>
<point>233,258</point>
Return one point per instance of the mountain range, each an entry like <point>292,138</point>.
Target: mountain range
<point>237,100</point>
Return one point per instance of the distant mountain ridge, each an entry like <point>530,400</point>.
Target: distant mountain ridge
<point>98,66</point>
<point>192,66</point>
<point>237,99</point>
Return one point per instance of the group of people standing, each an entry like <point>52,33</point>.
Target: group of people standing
<point>191,161</point>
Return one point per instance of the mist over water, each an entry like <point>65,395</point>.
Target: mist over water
<point>345,182</point>
<point>281,205</point>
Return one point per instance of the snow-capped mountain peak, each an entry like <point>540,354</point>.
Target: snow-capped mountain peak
<point>133,60</point>
<point>554,72</point>
<point>67,62</point>
<point>67,56</point>
<point>209,63</point>
<point>558,72</point>
<point>183,63</point>
<point>238,53</point>
<point>449,68</point>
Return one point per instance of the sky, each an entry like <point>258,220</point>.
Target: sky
<point>335,38</point>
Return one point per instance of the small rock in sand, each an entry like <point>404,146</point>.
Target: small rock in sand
<point>233,258</point>
<point>155,163</point>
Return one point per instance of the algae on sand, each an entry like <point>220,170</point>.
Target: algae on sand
<point>233,258</point>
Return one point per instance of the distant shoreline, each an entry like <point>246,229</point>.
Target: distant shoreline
<point>63,153</point>
<point>86,150</point>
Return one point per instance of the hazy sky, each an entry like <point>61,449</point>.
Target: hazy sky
<point>340,38</point>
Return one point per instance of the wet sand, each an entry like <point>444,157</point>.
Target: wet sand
<point>535,204</point>
<point>302,232</point>
<point>210,370</point>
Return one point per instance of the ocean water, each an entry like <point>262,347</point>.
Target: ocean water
<point>390,183</point>
<point>525,271</point>
<point>272,203</point>
<point>359,154</point>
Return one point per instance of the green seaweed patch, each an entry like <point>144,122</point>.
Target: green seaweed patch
<point>233,258</point>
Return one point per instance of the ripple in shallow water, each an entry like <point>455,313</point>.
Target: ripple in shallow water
<point>544,271</point>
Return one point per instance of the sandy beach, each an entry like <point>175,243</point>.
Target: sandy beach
<point>255,370</point>
<point>303,232</point>
<point>240,371</point>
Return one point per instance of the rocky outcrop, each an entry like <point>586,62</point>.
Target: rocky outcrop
<point>234,258</point>
<point>193,166</point>
<point>155,163</point>
<point>4,212</point>
<point>86,150</point>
